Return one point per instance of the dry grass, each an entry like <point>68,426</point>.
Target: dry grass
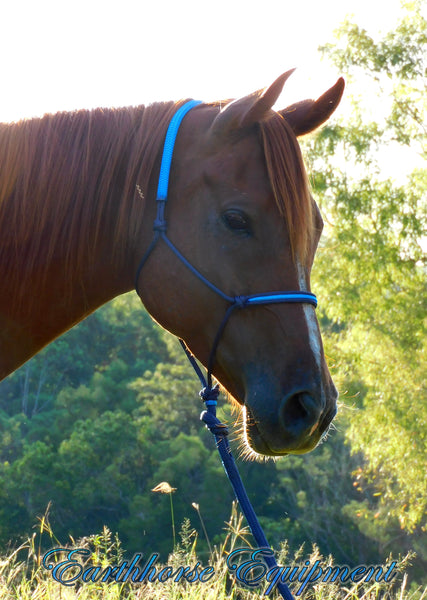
<point>23,577</point>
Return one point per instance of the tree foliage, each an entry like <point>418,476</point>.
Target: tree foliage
<point>372,268</point>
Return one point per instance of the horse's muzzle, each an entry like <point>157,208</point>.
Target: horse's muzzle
<point>301,423</point>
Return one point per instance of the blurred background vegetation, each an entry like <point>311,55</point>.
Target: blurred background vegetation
<point>88,426</point>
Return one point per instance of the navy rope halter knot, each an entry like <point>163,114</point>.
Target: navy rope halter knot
<point>209,393</point>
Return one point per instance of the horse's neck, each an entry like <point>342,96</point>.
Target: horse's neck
<point>67,229</point>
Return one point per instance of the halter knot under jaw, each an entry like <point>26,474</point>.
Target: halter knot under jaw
<point>209,396</point>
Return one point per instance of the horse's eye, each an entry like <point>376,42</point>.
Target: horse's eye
<point>237,221</point>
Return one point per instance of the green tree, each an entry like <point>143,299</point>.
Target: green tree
<point>371,271</point>
<point>65,412</point>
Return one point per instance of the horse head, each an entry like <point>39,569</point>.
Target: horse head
<point>240,211</point>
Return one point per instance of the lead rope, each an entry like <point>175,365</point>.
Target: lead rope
<point>209,396</point>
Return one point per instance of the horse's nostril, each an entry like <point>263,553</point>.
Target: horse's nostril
<point>299,414</point>
<point>295,408</point>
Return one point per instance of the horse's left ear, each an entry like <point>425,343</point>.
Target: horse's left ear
<point>248,110</point>
<point>308,115</point>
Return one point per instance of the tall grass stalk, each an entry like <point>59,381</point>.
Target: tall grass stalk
<point>166,488</point>
<point>197,509</point>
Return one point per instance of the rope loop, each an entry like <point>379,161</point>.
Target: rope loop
<point>214,424</point>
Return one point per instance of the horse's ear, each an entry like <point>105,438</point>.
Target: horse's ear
<point>307,115</point>
<point>248,110</point>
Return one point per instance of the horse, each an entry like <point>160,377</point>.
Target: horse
<point>77,204</point>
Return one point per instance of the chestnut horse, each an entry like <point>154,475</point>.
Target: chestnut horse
<point>77,204</point>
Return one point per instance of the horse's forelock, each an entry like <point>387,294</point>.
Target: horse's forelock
<point>289,182</point>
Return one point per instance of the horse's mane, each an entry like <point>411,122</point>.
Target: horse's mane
<point>65,177</point>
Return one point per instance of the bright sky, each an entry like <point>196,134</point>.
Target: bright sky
<point>61,54</point>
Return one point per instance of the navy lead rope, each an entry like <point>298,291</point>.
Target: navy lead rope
<point>209,396</point>
<point>210,393</point>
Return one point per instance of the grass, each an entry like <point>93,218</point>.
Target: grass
<point>23,576</point>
